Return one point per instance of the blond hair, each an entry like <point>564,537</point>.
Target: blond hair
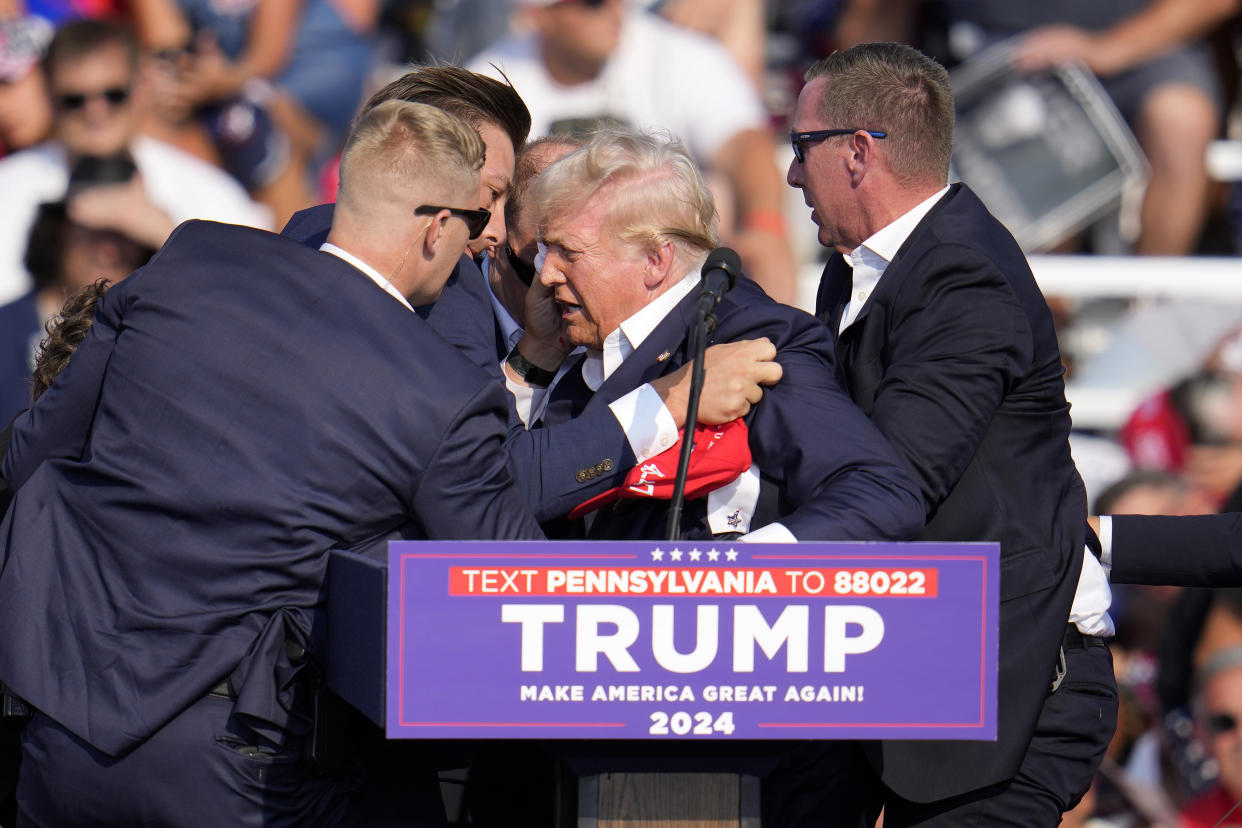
<point>399,148</point>
<point>656,194</point>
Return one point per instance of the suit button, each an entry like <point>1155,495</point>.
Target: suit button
<point>581,476</point>
<point>607,464</point>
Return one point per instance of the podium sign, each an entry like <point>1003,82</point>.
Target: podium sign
<point>652,640</point>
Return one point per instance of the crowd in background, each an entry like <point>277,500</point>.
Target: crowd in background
<point>151,112</point>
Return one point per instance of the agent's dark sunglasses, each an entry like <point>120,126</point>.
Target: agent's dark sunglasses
<point>1220,723</point>
<point>76,100</point>
<point>524,269</point>
<point>799,140</point>
<point>476,220</point>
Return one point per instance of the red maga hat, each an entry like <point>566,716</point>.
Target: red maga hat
<point>720,455</point>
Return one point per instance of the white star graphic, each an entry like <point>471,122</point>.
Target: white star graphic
<point>657,554</point>
<point>675,555</point>
<point>713,555</point>
<point>695,554</point>
<point>731,555</point>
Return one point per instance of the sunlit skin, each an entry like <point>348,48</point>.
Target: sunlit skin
<point>823,178</point>
<point>495,180</point>
<point>25,114</point>
<point>597,280</point>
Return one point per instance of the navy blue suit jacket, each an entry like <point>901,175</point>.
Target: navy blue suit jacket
<point>241,406</point>
<point>546,462</point>
<point>1193,550</point>
<point>955,358</point>
<point>827,472</point>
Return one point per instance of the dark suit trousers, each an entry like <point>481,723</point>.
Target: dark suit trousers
<point>203,768</point>
<point>830,785</point>
<point>1073,731</point>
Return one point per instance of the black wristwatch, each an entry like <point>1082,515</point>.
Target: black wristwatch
<point>529,371</point>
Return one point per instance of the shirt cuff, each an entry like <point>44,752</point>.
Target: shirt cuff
<point>528,400</point>
<point>647,423</point>
<point>1106,543</point>
<point>772,533</point>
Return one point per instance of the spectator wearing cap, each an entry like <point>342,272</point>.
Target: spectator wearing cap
<point>25,114</point>
<point>627,223</point>
<point>92,75</point>
<point>585,62</point>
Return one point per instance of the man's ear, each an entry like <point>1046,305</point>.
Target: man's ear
<point>435,233</point>
<point>863,150</point>
<point>659,265</point>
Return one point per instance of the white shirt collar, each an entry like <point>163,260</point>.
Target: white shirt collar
<point>886,241</point>
<point>375,275</point>
<point>509,328</point>
<point>871,258</point>
<point>629,336</point>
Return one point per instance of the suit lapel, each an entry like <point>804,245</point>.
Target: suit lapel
<point>666,348</point>
<point>834,291</point>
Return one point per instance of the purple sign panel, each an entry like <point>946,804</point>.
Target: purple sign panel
<point>659,640</point>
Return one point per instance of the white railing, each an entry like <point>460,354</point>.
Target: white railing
<point>1099,406</point>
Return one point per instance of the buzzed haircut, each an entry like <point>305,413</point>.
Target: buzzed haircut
<point>898,90</point>
<point>399,145</point>
<point>475,98</point>
<point>78,38</point>
<point>531,161</point>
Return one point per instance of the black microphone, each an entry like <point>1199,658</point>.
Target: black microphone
<point>720,273</point>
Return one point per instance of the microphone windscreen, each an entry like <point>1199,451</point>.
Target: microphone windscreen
<point>726,259</point>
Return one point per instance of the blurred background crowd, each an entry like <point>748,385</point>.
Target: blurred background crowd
<point>1107,134</point>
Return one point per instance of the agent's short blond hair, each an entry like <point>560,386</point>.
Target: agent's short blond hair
<point>656,194</point>
<point>399,149</point>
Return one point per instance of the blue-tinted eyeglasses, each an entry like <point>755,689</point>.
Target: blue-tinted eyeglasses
<point>799,140</point>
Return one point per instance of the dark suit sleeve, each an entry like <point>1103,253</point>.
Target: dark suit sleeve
<point>58,424</point>
<point>550,463</point>
<point>1195,551</point>
<point>467,490</point>
<point>963,347</point>
<point>841,477</point>
<point>6,491</point>
<point>545,461</point>
<point>463,317</point>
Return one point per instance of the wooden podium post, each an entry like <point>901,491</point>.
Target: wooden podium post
<point>668,800</point>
